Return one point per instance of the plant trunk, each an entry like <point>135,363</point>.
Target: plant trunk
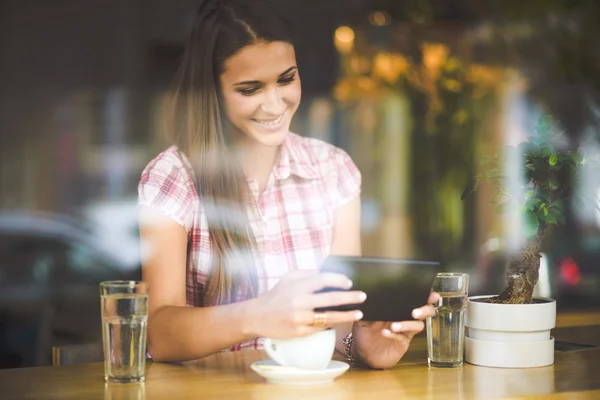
<point>522,273</point>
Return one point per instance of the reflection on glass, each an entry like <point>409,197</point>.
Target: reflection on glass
<point>422,92</point>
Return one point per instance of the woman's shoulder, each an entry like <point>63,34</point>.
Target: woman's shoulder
<point>170,169</point>
<point>166,186</point>
<point>171,165</point>
<point>169,159</point>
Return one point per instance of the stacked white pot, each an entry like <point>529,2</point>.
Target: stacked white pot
<point>510,335</point>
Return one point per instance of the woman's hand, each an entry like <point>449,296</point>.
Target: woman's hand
<point>382,344</point>
<point>287,310</point>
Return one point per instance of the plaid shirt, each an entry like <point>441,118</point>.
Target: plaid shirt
<point>294,223</point>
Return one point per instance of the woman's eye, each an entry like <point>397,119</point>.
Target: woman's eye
<point>248,92</point>
<point>287,80</point>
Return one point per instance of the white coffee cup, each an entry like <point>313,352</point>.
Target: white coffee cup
<point>307,352</point>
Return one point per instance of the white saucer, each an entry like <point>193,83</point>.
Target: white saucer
<point>275,373</point>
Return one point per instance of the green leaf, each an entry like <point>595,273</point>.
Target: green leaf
<point>559,214</point>
<point>529,194</point>
<point>548,151</point>
<point>559,206</point>
<point>553,160</point>
<point>530,224</point>
<point>550,219</point>
<point>530,204</point>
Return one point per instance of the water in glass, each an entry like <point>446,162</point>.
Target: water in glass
<point>446,331</point>
<point>124,318</point>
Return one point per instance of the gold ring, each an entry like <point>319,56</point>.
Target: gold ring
<point>319,319</point>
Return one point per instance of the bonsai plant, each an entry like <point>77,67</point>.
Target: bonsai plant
<point>540,197</point>
<point>513,329</point>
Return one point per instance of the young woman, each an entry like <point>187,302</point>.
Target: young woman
<point>237,216</point>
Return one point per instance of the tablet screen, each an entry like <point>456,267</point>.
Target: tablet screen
<point>394,287</point>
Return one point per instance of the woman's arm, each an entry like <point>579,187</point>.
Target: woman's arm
<point>178,333</point>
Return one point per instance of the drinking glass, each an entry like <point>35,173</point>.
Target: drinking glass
<point>124,306</point>
<point>446,329</point>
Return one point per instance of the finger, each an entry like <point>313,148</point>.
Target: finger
<point>408,328</point>
<point>403,337</point>
<point>433,298</point>
<point>337,298</point>
<point>327,279</point>
<point>333,318</point>
<point>423,312</point>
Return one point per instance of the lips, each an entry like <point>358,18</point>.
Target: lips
<point>270,122</point>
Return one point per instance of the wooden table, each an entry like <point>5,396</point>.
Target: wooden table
<point>575,375</point>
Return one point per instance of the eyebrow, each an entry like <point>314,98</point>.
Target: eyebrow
<point>287,71</point>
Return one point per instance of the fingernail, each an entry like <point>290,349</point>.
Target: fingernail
<point>396,326</point>
<point>358,315</point>
<point>349,284</point>
<point>362,296</point>
<point>386,332</point>
<point>417,313</point>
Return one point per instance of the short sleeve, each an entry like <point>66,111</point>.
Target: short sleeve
<point>166,187</point>
<point>349,179</point>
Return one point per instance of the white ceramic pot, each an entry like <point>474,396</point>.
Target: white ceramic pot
<point>510,335</point>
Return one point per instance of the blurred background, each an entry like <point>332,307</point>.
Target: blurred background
<point>417,91</point>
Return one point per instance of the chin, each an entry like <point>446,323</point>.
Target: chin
<point>271,138</point>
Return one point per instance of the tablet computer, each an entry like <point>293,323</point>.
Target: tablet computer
<point>394,286</point>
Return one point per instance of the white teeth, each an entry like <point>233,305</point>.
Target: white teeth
<point>270,123</point>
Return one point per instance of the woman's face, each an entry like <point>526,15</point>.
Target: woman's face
<point>261,90</point>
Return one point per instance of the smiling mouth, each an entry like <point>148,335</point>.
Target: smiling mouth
<point>271,122</point>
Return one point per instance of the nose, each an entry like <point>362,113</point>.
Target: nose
<point>273,104</point>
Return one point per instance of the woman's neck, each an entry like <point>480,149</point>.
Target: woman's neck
<point>257,161</point>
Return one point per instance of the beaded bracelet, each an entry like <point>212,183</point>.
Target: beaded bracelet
<point>347,341</point>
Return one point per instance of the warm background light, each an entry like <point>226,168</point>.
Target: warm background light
<point>344,34</point>
<point>380,18</point>
<point>344,39</point>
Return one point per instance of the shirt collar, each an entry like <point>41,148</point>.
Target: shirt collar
<point>293,161</point>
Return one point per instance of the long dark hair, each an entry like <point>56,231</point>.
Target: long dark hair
<point>196,123</point>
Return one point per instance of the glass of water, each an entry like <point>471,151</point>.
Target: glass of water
<point>124,306</point>
<point>446,329</point>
